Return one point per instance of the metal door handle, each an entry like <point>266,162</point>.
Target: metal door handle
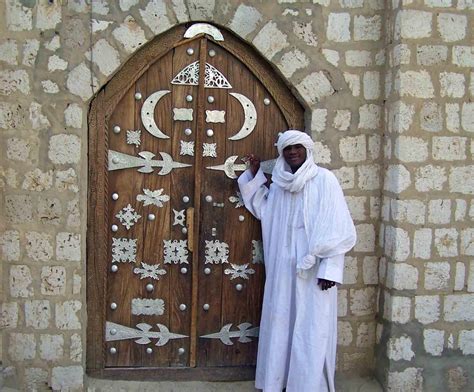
<point>190,227</point>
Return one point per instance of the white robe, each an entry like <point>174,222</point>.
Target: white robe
<point>298,335</point>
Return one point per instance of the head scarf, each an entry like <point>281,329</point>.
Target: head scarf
<point>282,174</point>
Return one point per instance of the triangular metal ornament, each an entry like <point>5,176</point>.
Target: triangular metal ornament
<point>189,76</point>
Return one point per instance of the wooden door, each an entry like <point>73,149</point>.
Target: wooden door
<point>182,265</point>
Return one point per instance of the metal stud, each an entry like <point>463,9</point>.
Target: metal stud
<point>184,270</point>
<point>115,160</point>
<point>114,228</point>
<point>114,268</point>
<point>241,218</point>
<point>266,101</point>
<point>207,271</point>
<point>213,231</point>
<point>149,287</point>
<point>182,307</point>
<point>149,350</point>
<point>116,129</point>
<point>138,96</point>
<point>113,350</point>
<point>113,331</point>
<point>181,351</point>
<point>210,99</point>
<point>151,217</point>
<point>209,132</point>
<point>209,198</point>
<point>188,131</point>
<point>184,230</point>
<point>190,51</point>
<point>115,196</point>
<point>206,306</point>
<point>212,53</point>
<point>189,98</point>
<point>186,199</point>
<point>239,287</point>
<point>113,306</point>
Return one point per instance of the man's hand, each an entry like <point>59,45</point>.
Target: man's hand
<point>254,162</point>
<point>326,284</point>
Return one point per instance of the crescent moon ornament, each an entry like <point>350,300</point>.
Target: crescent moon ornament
<point>250,116</point>
<point>148,114</point>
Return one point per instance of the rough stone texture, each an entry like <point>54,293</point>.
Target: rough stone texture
<point>67,378</point>
<point>22,346</point>
<point>64,149</point>
<point>270,40</point>
<point>37,314</point>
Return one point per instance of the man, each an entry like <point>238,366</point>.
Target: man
<point>306,229</point>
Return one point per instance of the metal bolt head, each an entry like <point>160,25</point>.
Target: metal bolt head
<point>151,217</point>
<point>266,101</point>
<point>182,307</point>
<point>181,351</point>
<point>113,331</point>
<point>189,98</point>
<point>241,218</point>
<point>190,51</point>
<point>114,268</point>
<point>114,228</point>
<point>184,230</point>
<point>210,99</point>
<point>115,160</point>
<point>208,198</point>
<point>206,306</point>
<point>210,132</point>
<point>113,306</point>
<point>188,131</point>
<point>149,287</point>
<point>184,270</point>
<point>186,199</point>
<point>116,129</point>
<point>207,271</point>
<point>138,96</point>
<point>149,350</point>
<point>239,287</point>
<point>115,196</point>
<point>212,53</point>
<point>113,350</point>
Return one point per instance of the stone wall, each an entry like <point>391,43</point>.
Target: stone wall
<point>386,92</point>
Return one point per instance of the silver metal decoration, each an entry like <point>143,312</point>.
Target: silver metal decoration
<point>148,114</point>
<point>152,271</point>
<point>118,161</point>
<point>124,250</point>
<point>250,116</point>
<point>148,307</point>
<point>215,116</point>
<point>149,287</point>
<point>213,78</point>
<point>138,96</point>
<point>151,217</point>
<point>115,196</point>
<point>128,216</point>
<point>150,197</point>
<point>186,199</point>
<point>114,268</point>
<point>179,217</point>
<point>186,148</point>
<point>207,271</point>
<point>216,252</point>
<point>189,98</point>
<point>212,53</point>
<point>209,150</point>
<point>184,270</point>
<point>239,287</point>
<point>190,51</point>
<point>114,228</point>
<point>182,307</point>
<point>188,131</point>
<point>117,129</point>
<point>113,350</point>
<point>204,28</point>
<point>181,350</point>
<point>239,202</point>
<point>239,271</point>
<point>244,333</point>
<point>133,137</point>
<point>241,218</point>
<point>149,350</point>
<point>176,251</point>
<point>184,230</point>
<point>182,114</point>
<point>206,307</point>
<point>113,306</point>
<point>210,132</point>
<point>210,99</point>
<point>266,101</point>
<point>230,167</point>
<point>257,252</point>
<point>142,333</point>
<point>208,198</point>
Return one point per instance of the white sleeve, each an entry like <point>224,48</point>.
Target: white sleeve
<point>254,192</point>
<point>332,268</point>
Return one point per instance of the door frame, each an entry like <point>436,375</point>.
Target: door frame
<point>98,255</point>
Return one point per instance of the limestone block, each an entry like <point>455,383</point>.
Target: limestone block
<point>458,307</point>
<point>56,63</point>
<point>429,178</point>
<point>49,210</point>
<point>314,87</point>
<point>201,9</point>
<point>48,15</point>
<point>465,5</point>
<point>37,314</point>
<point>438,3</point>
<point>366,335</point>
<point>9,52</point>
<point>50,87</point>
<point>431,54</point>
<point>129,34</point>
<point>53,280</point>
<point>125,5</point>
<point>400,55</point>
<point>358,58</point>
<point>437,275</point>
<point>344,333</point>
<point>415,24</point>
<point>357,208</point>
<point>427,308</point>
<point>466,342</point>
<point>350,270</point>
<point>460,277</point>
<point>8,178</point>
<point>68,246</point>
<point>467,116</point>
<point>397,243</point>
<point>345,176</point>
<point>439,211</point>
<point>74,217</point>
<point>76,284</point>
<point>371,82</point>
<point>353,149</point>
<point>370,270</point>
<point>105,56</point>
<point>410,379</point>
<point>64,149</point>
<point>67,378</point>
<point>180,9</point>
<point>154,16</point>
<point>453,120</point>
<point>431,117</point>
<point>374,146</point>
<point>304,31</point>
<point>363,301</point>
<point>402,276</point>
<point>13,81</point>
<point>55,43</point>
<point>8,315</point>
<point>470,278</point>
<point>66,315</point>
<point>446,242</point>
<point>351,3</point>
<point>79,82</point>
<point>318,120</point>
<point>463,56</point>
<point>338,27</point>
<point>75,351</point>
<point>467,242</point>
<point>10,245</point>
<point>22,346</point>
<point>369,177</point>
<point>433,341</point>
<point>396,308</point>
<point>30,51</point>
<point>37,118</point>
<point>367,28</point>
<point>38,246</point>
<point>422,243</point>
<point>100,7</point>
<point>397,178</point>
<point>18,208</point>
<point>401,116</point>
<point>18,17</point>
<point>400,348</point>
<point>322,153</point>
<point>342,120</point>
<point>67,180</point>
<point>416,84</point>
<point>369,116</point>
<point>331,56</point>
<point>365,238</point>
<point>452,27</point>
<point>411,149</point>
<point>36,378</point>
<point>452,84</point>
<point>461,179</point>
<point>38,181</point>
<point>245,20</point>
<point>353,82</point>
<point>18,149</point>
<point>73,116</point>
<point>20,281</point>
<point>411,211</point>
<point>270,40</point>
<point>101,25</point>
<point>457,377</point>
<point>51,347</point>
<point>292,61</point>
<point>341,303</point>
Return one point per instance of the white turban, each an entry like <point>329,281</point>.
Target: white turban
<point>282,174</point>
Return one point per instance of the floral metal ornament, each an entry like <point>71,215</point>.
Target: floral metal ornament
<point>187,148</point>
<point>176,251</point>
<point>213,78</point>
<point>239,271</point>
<point>239,202</point>
<point>179,217</point>
<point>124,250</point>
<point>216,252</point>
<point>148,306</point>
<point>257,252</point>
<point>128,216</point>
<point>133,137</point>
<point>150,197</point>
<point>114,332</point>
<point>243,334</point>
<point>209,150</point>
<point>152,271</point>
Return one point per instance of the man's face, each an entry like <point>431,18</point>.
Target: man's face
<point>294,155</point>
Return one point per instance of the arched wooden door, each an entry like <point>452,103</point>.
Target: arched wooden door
<point>175,273</point>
